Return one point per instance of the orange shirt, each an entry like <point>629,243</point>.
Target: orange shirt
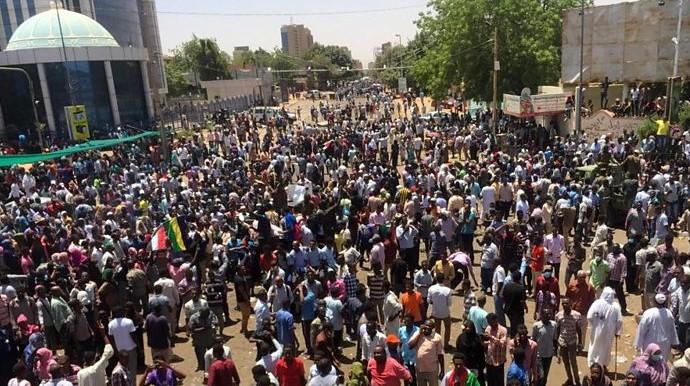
<point>412,304</point>
<point>537,260</point>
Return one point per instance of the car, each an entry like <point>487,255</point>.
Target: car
<point>435,116</point>
<point>264,114</point>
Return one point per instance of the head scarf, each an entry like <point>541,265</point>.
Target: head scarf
<point>36,341</point>
<point>44,358</point>
<point>608,294</point>
<point>652,371</point>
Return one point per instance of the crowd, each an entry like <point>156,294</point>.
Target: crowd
<point>364,232</point>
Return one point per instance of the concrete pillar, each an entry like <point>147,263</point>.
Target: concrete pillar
<point>147,90</point>
<point>47,101</point>
<point>112,93</point>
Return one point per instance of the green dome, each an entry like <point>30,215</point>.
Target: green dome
<point>43,31</point>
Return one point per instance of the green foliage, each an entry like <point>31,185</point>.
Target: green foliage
<point>647,127</point>
<point>684,115</point>
<point>459,34</point>
<point>197,57</point>
<point>400,56</point>
<point>175,73</point>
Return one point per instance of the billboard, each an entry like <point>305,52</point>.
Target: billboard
<point>526,105</point>
<point>77,123</point>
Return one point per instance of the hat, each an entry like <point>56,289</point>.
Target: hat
<point>660,299</point>
<point>392,339</point>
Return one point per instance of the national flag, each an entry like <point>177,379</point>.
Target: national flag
<point>168,235</point>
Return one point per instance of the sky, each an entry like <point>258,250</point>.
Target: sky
<point>360,25</point>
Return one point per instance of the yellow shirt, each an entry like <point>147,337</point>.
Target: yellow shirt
<point>661,127</point>
<point>447,270</point>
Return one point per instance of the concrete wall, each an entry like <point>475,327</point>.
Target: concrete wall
<point>224,89</point>
<point>628,42</point>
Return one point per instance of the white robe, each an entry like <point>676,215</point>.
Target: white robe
<point>392,306</point>
<point>657,326</point>
<point>606,321</point>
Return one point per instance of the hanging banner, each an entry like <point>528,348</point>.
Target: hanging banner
<point>77,123</point>
<point>526,105</point>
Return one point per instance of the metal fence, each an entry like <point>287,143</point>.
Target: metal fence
<point>183,114</point>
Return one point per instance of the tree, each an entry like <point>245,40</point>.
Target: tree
<point>398,56</point>
<point>204,58</point>
<point>459,49</point>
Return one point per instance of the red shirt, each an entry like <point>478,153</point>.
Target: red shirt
<point>266,260</point>
<point>581,296</point>
<point>550,284</point>
<point>387,374</point>
<point>223,372</point>
<point>537,260</point>
<point>290,374</point>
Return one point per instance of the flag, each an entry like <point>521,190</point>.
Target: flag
<point>168,235</point>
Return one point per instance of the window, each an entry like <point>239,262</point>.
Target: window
<point>18,12</point>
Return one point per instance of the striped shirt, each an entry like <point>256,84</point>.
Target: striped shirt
<point>376,287</point>
<point>496,351</point>
<point>618,266</point>
<point>568,327</point>
<point>5,318</point>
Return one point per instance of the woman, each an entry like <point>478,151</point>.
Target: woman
<point>470,343</point>
<point>596,377</point>
<point>651,367</point>
<point>43,361</point>
<point>632,378</point>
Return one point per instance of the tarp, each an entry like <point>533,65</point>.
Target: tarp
<point>20,159</point>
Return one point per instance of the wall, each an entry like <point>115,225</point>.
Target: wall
<point>628,42</point>
<point>221,89</point>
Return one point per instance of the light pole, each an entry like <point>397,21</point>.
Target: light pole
<point>676,44</point>
<point>578,92</point>
<point>32,95</point>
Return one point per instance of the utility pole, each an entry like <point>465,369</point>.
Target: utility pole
<point>578,92</point>
<point>497,67</point>
<point>32,95</point>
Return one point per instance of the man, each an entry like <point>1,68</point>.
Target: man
<point>290,369</point>
<point>408,354</point>
<point>391,310</point>
<point>384,371</point>
<point>412,302</point>
<point>570,340</point>
<point>606,321</point>
<point>599,270</point>
<point>201,327</point>
<point>93,372</point>
<point>544,333</point>
<point>619,271</point>
<point>515,302</point>
<point>440,299</point>
<point>429,355</point>
<point>460,375</point>
<point>423,280</point>
<point>222,371</point>
<point>215,291</point>
<point>170,291</point>
<point>406,235</point>
<point>477,314</point>
<point>657,326</point>
<point>581,295</point>
<point>487,262</point>
<point>496,342</point>
<point>158,333</point>
<point>680,300</point>
<point>497,283</point>
<point>59,309</point>
<point>194,305</point>
<point>121,376</point>
<point>269,354</point>
<point>554,246</point>
<point>242,296</point>
<point>375,284</point>
<point>680,372</point>
<point>370,340</point>
<point>651,277</point>
<point>123,332</point>
<point>529,347</point>
<point>285,325</point>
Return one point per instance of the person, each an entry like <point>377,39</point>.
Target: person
<point>93,372</point>
<point>123,331</point>
<point>477,314</point>
<point>470,343</point>
<point>370,339</point>
<point>440,300</point>
<point>392,309</point>
<point>423,280</point>
<point>385,371</point>
<point>569,340</point>
<point>158,333</point>
<point>222,371</point>
<point>325,375</point>
<point>408,354</point>
<point>679,374</point>
<point>57,377</point>
<point>430,353</point>
<point>285,326</point>
<point>242,296</point>
<point>618,263</point>
<point>201,327</point>
<point>515,302</point>
<point>290,369</point>
<point>544,333</point>
<point>121,376</point>
<point>412,302</point>
<point>581,294</point>
<point>596,376</point>
<point>460,375</point>
<point>497,282</point>
<point>269,354</point>
<point>606,322</point>
<point>496,342</point>
<point>516,370</point>
<point>19,371</point>
<point>651,366</point>
<point>161,374</point>
<point>680,301</point>
<point>632,378</point>
<point>599,270</point>
<point>657,326</point>
<point>529,347</point>
<point>259,373</point>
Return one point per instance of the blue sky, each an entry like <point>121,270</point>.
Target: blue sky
<point>361,32</point>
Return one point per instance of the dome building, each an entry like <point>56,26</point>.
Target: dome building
<point>71,60</point>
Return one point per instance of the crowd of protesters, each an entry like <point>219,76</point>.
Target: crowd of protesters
<point>363,232</point>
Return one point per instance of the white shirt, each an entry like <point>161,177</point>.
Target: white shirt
<point>94,375</point>
<point>499,278</point>
<point>169,290</point>
<point>120,328</point>
<point>269,361</point>
<point>440,300</point>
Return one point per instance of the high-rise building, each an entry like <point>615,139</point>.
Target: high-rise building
<point>296,39</point>
<point>386,47</point>
<point>133,23</point>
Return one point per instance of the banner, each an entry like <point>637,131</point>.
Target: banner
<point>526,105</point>
<point>402,85</point>
<point>77,123</point>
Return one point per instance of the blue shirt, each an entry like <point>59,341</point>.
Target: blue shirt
<point>409,356</point>
<point>309,306</point>
<point>517,372</point>
<point>284,326</point>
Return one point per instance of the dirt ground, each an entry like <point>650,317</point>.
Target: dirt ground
<point>244,352</point>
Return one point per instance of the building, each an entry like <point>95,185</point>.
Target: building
<point>357,64</point>
<point>628,42</point>
<point>132,23</point>
<point>296,39</point>
<point>71,60</point>
<point>239,50</point>
<point>386,47</point>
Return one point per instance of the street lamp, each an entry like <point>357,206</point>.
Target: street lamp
<point>32,95</point>
<point>676,46</point>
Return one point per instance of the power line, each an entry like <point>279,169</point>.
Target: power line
<point>315,13</point>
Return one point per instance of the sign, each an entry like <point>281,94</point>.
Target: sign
<point>604,123</point>
<point>77,123</point>
<point>402,85</point>
<point>526,105</point>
